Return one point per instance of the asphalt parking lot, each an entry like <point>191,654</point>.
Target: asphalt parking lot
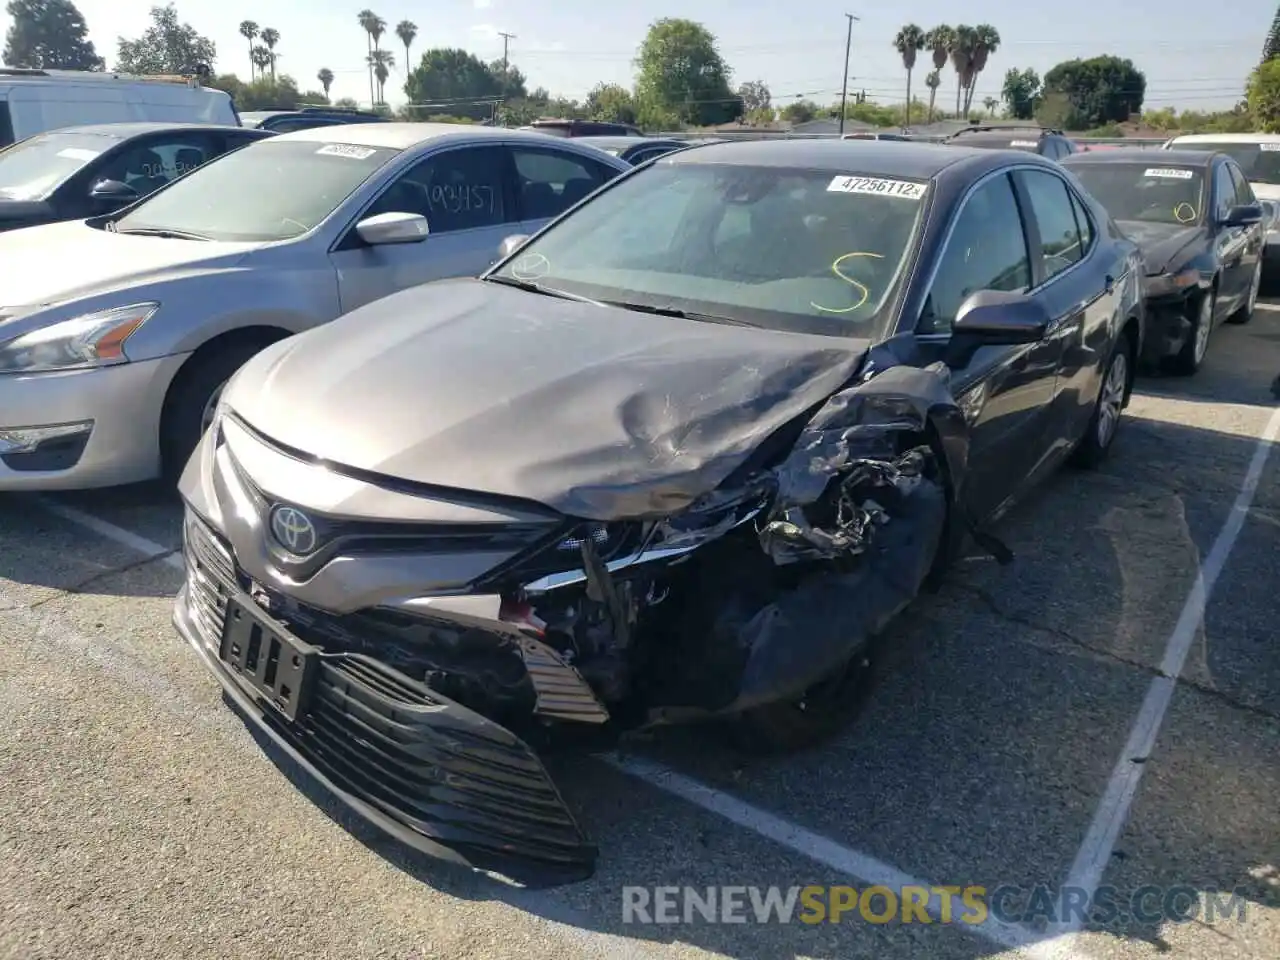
<point>1027,731</point>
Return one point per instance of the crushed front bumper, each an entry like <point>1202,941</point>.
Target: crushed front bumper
<point>425,769</point>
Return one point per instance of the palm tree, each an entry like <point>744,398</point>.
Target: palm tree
<point>932,80</point>
<point>262,58</point>
<point>962,60</point>
<point>939,40</point>
<point>249,30</point>
<point>325,76</point>
<point>991,103</point>
<point>909,42</point>
<point>270,37</point>
<point>986,42</point>
<point>407,31</point>
<point>381,62</point>
<point>367,18</point>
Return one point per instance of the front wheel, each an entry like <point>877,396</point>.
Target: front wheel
<point>1105,421</point>
<point>1245,313</point>
<point>192,400</point>
<point>1191,356</point>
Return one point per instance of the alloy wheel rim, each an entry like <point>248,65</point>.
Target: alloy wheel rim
<point>1202,328</point>
<point>1111,403</point>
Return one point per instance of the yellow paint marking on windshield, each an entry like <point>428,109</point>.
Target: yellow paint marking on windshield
<point>1189,216</point>
<point>835,268</point>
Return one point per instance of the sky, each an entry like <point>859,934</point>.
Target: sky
<point>1192,59</point>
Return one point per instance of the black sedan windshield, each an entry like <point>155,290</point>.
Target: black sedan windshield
<point>1259,161</point>
<point>1145,191</point>
<point>786,249</point>
<point>34,168</point>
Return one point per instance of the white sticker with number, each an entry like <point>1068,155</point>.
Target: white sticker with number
<point>1269,147</point>
<point>1024,143</point>
<point>346,150</point>
<point>76,153</point>
<point>1168,173</point>
<point>906,189</point>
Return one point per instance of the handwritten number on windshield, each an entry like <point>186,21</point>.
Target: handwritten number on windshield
<point>864,293</point>
<point>462,198</point>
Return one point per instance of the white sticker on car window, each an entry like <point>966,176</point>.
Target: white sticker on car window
<point>346,150</point>
<point>1024,143</point>
<point>1270,147</point>
<point>76,153</point>
<point>1167,172</point>
<point>906,189</point>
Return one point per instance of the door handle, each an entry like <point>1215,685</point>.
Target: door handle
<point>1110,283</point>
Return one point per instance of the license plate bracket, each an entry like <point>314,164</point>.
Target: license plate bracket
<point>264,654</point>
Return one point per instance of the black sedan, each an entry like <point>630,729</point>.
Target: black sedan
<point>79,172</point>
<point>684,454</point>
<point>634,150</point>
<point>1201,232</point>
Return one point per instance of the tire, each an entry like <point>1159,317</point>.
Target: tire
<point>823,711</point>
<point>1245,313</point>
<point>191,400</point>
<point>1099,437</point>
<point>1190,358</point>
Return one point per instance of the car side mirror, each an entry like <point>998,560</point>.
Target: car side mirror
<point>1244,215</point>
<point>995,318</point>
<point>113,193</point>
<point>384,229</point>
<point>511,244</point>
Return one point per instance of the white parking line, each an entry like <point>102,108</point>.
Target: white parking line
<point>1113,810</point>
<point>126,538</point>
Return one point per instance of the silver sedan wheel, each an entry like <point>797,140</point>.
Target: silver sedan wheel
<point>1204,325</point>
<point>1111,402</point>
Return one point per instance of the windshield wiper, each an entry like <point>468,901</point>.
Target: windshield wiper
<point>677,313</point>
<point>157,232</point>
<point>531,287</point>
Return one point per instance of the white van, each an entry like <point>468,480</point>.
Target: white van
<point>34,101</point>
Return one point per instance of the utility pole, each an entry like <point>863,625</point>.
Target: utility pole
<point>506,39</point>
<point>844,89</point>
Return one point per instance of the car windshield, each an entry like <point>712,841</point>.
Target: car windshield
<point>34,168</point>
<point>270,190</point>
<point>1259,161</point>
<point>1145,191</point>
<point>797,250</point>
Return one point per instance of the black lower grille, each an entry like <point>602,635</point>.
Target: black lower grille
<point>426,765</point>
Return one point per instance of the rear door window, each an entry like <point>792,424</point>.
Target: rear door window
<point>549,182</point>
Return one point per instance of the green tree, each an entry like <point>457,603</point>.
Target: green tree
<point>49,34</point>
<point>455,82</point>
<point>167,46</point>
<point>932,80</point>
<point>325,76</point>
<point>1264,96</point>
<point>755,96</point>
<point>1271,46</point>
<point>964,44</point>
<point>264,93</point>
<point>1021,92</point>
<point>799,111</point>
<point>986,40</point>
<point>909,42</point>
<point>270,39</point>
<point>680,73</point>
<point>373,26</point>
<point>407,31</point>
<point>612,103</point>
<point>250,30</point>
<point>1097,91</point>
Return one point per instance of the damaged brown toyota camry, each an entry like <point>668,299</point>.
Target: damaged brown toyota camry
<point>683,455</point>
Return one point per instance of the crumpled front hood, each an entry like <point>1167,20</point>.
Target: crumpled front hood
<point>66,261</point>
<point>1161,243</point>
<point>598,412</point>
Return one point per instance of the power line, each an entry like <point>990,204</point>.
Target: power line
<point>506,39</point>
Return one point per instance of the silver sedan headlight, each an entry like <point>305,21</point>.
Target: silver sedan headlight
<point>91,340</point>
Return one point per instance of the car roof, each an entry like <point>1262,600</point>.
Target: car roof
<point>138,128</point>
<point>1004,136</point>
<point>913,160</point>
<point>624,142</point>
<point>1227,138</point>
<point>1154,158</point>
<point>402,136</point>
